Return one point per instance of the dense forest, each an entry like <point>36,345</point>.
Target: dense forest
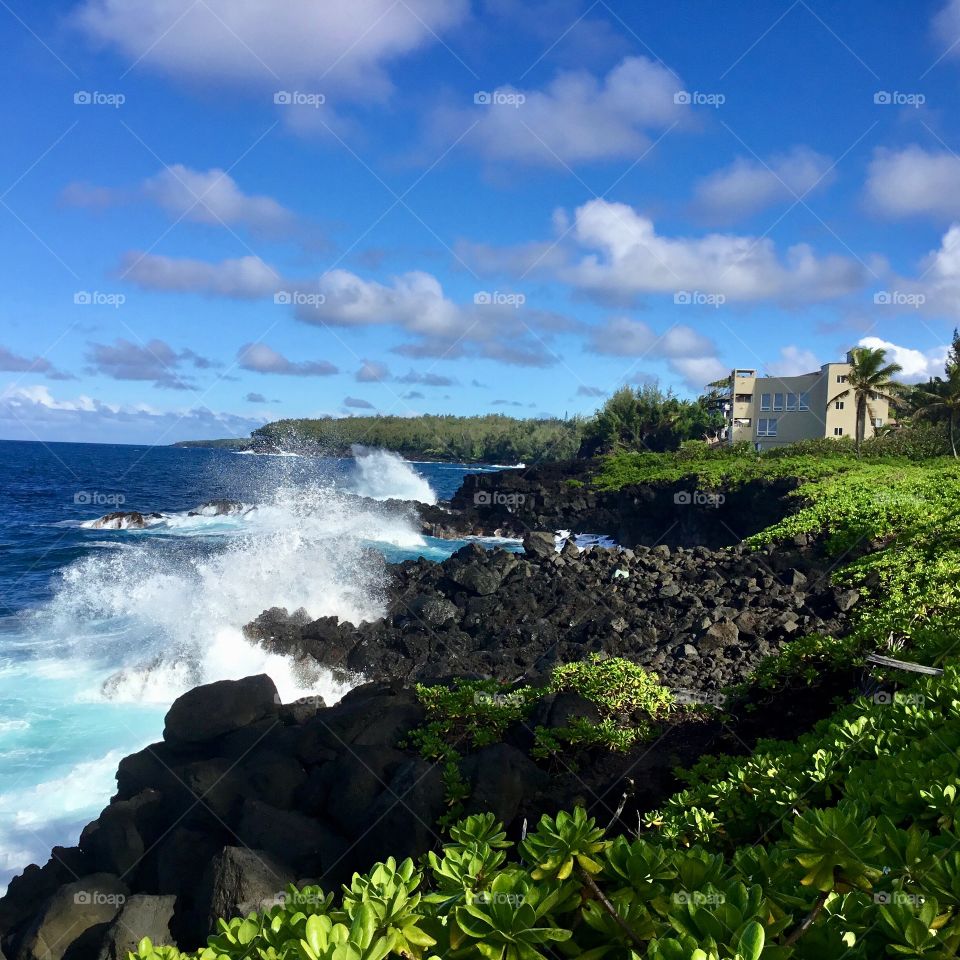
<point>491,439</point>
<point>643,417</point>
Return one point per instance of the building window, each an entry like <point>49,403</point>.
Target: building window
<point>778,401</point>
<point>877,422</point>
<point>767,427</point>
<point>766,401</point>
<point>744,398</point>
<point>791,401</point>
<point>840,405</point>
<point>743,422</point>
<point>842,378</point>
<point>838,431</point>
<point>804,401</point>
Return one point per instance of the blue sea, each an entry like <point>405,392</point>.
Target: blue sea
<point>101,629</point>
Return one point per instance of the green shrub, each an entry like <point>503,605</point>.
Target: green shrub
<point>860,859</point>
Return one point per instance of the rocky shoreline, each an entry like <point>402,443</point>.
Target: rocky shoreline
<point>245,795</point>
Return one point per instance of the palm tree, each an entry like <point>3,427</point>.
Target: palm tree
<point>870,378</point>
<point>946,402</point>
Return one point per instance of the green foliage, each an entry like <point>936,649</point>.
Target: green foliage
<point>841,845</point>
<point>647,418</point>
<point>492,438</point>
<point>469,714</point>
<point>628,697</point>
<point>859,862</point>
<point>719,467</point>
<point>614,684</point>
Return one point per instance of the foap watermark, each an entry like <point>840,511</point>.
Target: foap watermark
<point>887,897</point>
<point>897,298</point>
<point>897,98</point>
<point>98,298</point>
<point>480,698</point>
<point>97,98</point>
<point>888,698</point>
<point>699,498</point>
<point>298,298</point>
<point>697,98</point>
<point>697,298</point>
<point>699,899</point>
<point>698,698</point>
<point>494,498</point>
<point>509,899</point>
<point>283,898</point>
<point>99,898</point>
<point>499,98</point>
<point>299,98</point>
<point>86,498</point>
<point>485,298</point>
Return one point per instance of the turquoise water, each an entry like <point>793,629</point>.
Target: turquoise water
<point>100,630</point>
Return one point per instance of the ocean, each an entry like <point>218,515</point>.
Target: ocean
<point>100,630</point>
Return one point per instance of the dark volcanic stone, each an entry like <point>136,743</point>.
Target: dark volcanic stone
<point>141,916</point>
<point>74,919</point>
<point>218,708</point>
<point>540,543</point>
<point>240,880</point>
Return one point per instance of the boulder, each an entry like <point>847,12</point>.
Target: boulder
<point>307,844</point>
<point>239,880</point>
<point>501,778</point>
<point>214,709</point>
<point>540,543</point>
<point>74,919</point>
<point>478,579</point>
<point>847,600</point>
<point>141,916</point>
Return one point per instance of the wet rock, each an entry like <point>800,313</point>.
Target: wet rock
<point>125,520</point>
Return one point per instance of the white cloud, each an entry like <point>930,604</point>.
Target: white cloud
<point>946,28</point>
<point>577,118</point>
<point>688,353</point>
<point>916,364</point>
<point>310,45</point>
<point>793,362</point>
<point>632,258</point>
<point>16,363</point>
<point>260,358</point>
<point>29,413</point>
<point>201,196</point>
<point>154,361</point>
<point>372,372</point>
<point>697,372</point>
<point>747,186</point>
<point>936,288</point>
<point>914,182</point>
<point>623,337</point>
<point>214,197</point>
<point>243,278</point>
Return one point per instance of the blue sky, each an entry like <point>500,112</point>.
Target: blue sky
<point>215,214</point>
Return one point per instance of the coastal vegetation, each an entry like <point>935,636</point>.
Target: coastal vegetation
<point>488,439</point>
<point>840,844</point>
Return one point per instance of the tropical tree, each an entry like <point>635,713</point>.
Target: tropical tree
<point>646,418</point>
<point>944,403</point>
<point>870,379</point>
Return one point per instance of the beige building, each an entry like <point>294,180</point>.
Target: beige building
<point>774,411</point>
